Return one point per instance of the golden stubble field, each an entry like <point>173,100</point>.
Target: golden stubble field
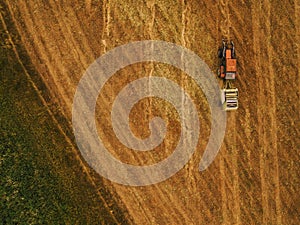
<point>255,177</point>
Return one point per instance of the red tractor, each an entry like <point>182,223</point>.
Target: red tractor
<point>227,70</point>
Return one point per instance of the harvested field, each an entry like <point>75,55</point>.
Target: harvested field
<point>255,177</point>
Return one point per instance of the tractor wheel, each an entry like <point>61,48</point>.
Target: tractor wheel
<point>220,53</point>
<point>219,72</point>
<point>233,54</point>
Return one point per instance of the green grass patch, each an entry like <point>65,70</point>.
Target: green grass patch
<point>41,180</point>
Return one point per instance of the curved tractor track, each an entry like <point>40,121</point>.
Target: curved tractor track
<point>254,178</point>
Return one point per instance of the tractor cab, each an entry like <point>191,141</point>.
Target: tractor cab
<point>227,70</point>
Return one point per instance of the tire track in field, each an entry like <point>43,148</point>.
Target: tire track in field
<point>297,25</point>
<point>241,32</point>
<point>106,35</point>
<point>233,115</point>
<point>184,82</point>
<point>27,32</point>
<point>88,5</point>
<point>284,31</point>
<point>160,195</point>
<point>246,169</point>
<point>85,169</point>
<point>185,42</point>
<point>42,49</point>
<point>256,24</point>
<point>106,23</point>
<point>231,209</point>
<point>71,43</point>
<point>224,33</point>
<point>187,26</point>
<point>225,21</point>
<point>225,219</point>
<point>266,115</point>
<point>274,148</point>
<point>48,51</point>
<point>151,5</point>
<point>166,18</point>
<point>59,71</point>
<point>67,15</point>
<point>183,20</point>
<point>177,214</point>
<point>238,38</point>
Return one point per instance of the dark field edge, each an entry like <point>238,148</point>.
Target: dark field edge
<point>41,180</point>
